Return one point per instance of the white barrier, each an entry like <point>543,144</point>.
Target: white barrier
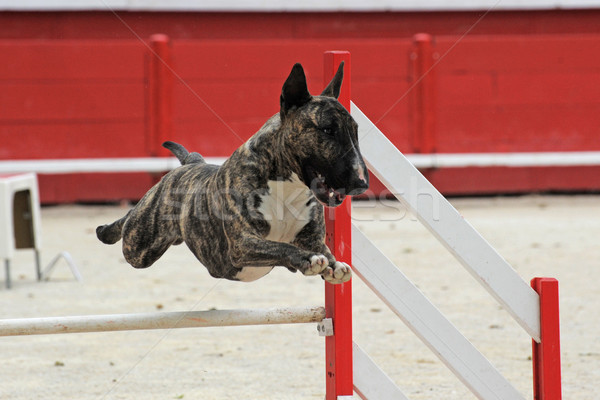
<point>159,320</point>
<point>478,257</point>
<point>437,160</point>
<point>523,302</point>
<point>104,165</point>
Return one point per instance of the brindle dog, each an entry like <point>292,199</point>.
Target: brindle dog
<point>260,209</point>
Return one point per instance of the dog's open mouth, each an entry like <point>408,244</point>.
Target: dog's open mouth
<point>326,194</point>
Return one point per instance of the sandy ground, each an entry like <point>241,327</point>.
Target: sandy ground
<point>554,236</point>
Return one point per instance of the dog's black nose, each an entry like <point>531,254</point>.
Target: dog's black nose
<point>360,177</point>
<point>358,186</point>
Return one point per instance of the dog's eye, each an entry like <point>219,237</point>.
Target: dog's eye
<point>327,131</point>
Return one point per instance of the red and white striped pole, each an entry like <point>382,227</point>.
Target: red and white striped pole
<point>338,298</point>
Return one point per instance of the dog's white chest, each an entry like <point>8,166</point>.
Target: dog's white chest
<point>287,207</point>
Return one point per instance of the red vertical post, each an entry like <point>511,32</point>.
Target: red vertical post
<point>160,89</point>
<point>546,354</point>
<point>423,94</point>
<point>338,298</point>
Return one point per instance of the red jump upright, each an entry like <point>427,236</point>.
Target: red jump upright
<point>546,353</point>
<point>338,298</point>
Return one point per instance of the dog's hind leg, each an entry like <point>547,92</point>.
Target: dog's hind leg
<point>146,237</point>
<point>144,256</point>
<point>111,233</point>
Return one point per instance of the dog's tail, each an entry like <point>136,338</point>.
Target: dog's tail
<point>184,156</point>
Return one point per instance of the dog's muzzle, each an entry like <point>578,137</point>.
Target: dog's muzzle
<point>328,194</point>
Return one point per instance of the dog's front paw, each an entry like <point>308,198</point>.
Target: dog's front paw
<point>340,273</point>
<point>318,263</point>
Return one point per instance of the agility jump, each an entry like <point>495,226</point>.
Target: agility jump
<point>535,309</point>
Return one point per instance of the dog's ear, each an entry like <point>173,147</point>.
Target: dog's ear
<point>294,92</point>
<point>333,89</point>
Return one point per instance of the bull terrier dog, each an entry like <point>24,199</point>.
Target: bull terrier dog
<point>263,207</point>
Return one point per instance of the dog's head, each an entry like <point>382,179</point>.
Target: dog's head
<point>324,137</point>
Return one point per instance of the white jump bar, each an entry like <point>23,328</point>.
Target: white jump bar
<point>159,320</point>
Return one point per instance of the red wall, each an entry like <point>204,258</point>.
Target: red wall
<point>76,85</point>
